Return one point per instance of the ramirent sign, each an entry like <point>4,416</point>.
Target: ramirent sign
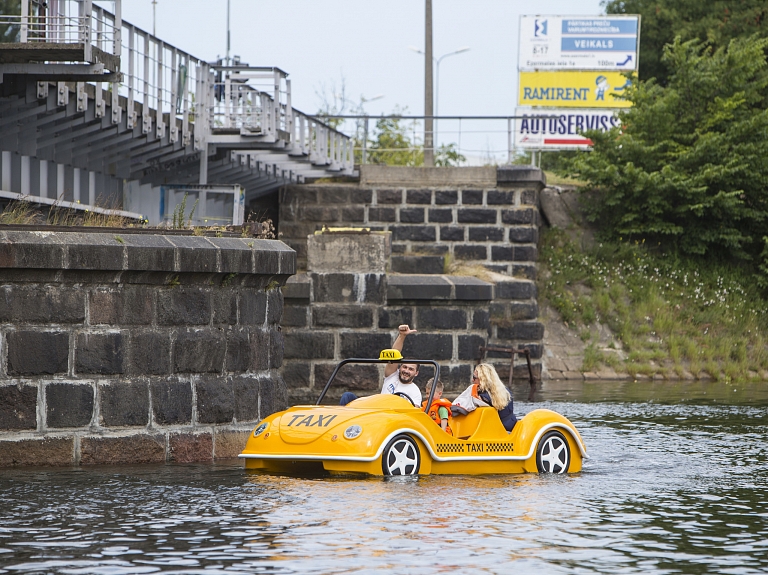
<point>572,89</point>
<point>578,42</point>
<point>560,129</point>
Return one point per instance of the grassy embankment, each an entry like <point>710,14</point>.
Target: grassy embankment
<point>672,318</point>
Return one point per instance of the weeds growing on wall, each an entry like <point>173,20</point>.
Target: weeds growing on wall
<point>671,316</point>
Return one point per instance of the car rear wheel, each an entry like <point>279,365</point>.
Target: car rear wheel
<point>553,454</point>
<point>401,457</point>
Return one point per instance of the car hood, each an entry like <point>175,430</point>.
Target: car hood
<point>305,423</point>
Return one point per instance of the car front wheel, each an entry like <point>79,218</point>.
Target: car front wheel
<point>401,457</point>
<point>553,454</point>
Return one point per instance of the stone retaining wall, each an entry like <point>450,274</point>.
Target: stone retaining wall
<point>137,348</point>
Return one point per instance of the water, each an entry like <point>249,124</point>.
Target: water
<point>676,484</point>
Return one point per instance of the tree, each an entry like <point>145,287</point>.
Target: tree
<point>714,21</point>
<point>393,146</point>
<point>687,171</point>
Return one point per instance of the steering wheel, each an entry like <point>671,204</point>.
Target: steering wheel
<point>406,396</point>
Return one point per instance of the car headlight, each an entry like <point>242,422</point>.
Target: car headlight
<point>352,431</point>
<point>260,429</point>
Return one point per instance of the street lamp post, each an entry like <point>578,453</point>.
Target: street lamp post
<point>437,80</point>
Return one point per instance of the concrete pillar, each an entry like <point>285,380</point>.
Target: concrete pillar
<point>92,188</point>
<point>43,179</point>
<point>25,176</point>
<point>76,185</point>
<point>6,168</point>
<point>60,175</point>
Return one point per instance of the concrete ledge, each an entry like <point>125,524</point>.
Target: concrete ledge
<point>297,287</point>
<point>506,175</point>
<point>437,287</point>
<point>400,176</point>
<point>101,252</point>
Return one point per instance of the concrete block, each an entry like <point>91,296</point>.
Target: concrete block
<point>309,345</point>
<point>521,175</point>
<point>333,195</point>
<point>171,401</point>
<point>18,407</point>
<point>518,311</point>
<point>528,331</point>
<point>26,250</point>
<point>428,346</point>
<point>486,234</point>
<point>68,404</point>
<point>128,305</point>
<point>295,194</point>
<point>253,306</point>
<point>428,318</point>
<point>418,197</point>
<point>379,214</point>
<point>523,235</point>
<point>500,197</point>
<point>195,254</point>
<point>229,444</point>
<point>322,214</point>
<point>371,174</point>
<point>190,447</point>
<point>520,216</point>
<point>418,287</point>
<point>481,319</point>
<point>527,271</point>
<point>357,196</point>
<point>139,448</point>
<point>149,353</point>
<point>297,288</point>
<point>238,357</point>
<point>199,351</point>
<point>148,253</point>
<point>469,288</point>
<point>354,316</point>
<point>412,215</point>
<point>530,197</point>
<point>515,289</point>
<point>446,197</point>
<point>215,399</point>
<point>476,216</point>
<point>274,306</point>
<point>224,306</point>
<point>44,451</point>
<point>365,345</point>
<point>124,403</point>
<point>502,253</point>
<point>41,304</point>
<point>354,214</point>
<point>93,251</point>
<point>418,264</point>
<point>470,252</point>
<point>393,317</point>
<point>296,374</point>
<point>37,352</point>
<point>183,306</point>
<point>414,233</point>
<point>389,196</point>
<point>348,252</point>
<point>99,353</point>
<point>526,254</point>
<point>469,197</point>
<point>351,377</point>
<point>455,378</point>
<point>246,394</point>
<point>451,233</point>
<point>375,288</point>
<point>469,346</point>
<point>260,345</point>
<point>295,316</point>
<point>441,215</point>
<point>276,348</point>
<point>273,394</point>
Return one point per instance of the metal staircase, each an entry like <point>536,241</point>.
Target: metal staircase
<point>95,111</point>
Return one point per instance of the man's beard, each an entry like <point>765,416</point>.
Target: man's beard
<point>406,378</point>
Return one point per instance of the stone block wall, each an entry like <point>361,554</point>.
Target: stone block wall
<point>493,222</point>
<point>137,348</point>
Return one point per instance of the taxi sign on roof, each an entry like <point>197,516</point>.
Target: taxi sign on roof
<point>578,42</point>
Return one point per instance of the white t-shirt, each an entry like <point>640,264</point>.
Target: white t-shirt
<point>392,384</point>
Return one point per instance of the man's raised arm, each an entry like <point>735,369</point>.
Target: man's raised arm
<point>403,332</point>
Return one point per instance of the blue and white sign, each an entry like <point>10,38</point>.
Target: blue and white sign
<point>578,42</point>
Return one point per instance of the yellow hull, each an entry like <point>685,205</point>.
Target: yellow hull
<point>372,434</point>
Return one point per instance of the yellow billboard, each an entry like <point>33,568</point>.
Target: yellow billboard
<point>572,89</point>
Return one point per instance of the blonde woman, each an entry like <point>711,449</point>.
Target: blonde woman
<point>487,386</point>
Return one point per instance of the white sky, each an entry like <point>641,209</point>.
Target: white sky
<point>319,42</point>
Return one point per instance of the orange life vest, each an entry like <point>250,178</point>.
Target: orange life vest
<point>433,412</point>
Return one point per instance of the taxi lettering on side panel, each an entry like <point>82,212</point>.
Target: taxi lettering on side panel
<point>319,420</point>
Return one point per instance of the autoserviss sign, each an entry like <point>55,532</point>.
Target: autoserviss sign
<point>560,129</point>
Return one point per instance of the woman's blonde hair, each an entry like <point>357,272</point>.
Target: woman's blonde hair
<point>489,381</point>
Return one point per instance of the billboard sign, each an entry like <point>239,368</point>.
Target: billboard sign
<point>578,42</point>
<point>560,129</point>
<point>572,89</point>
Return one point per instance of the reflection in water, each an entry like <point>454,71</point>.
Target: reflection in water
<point>676,484</point>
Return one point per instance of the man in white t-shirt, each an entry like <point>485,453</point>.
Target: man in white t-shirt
<point>397,379</point>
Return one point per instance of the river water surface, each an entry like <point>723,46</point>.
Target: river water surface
<point>677,483</point>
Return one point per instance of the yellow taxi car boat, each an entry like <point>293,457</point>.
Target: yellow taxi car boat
<point>387,435</point>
